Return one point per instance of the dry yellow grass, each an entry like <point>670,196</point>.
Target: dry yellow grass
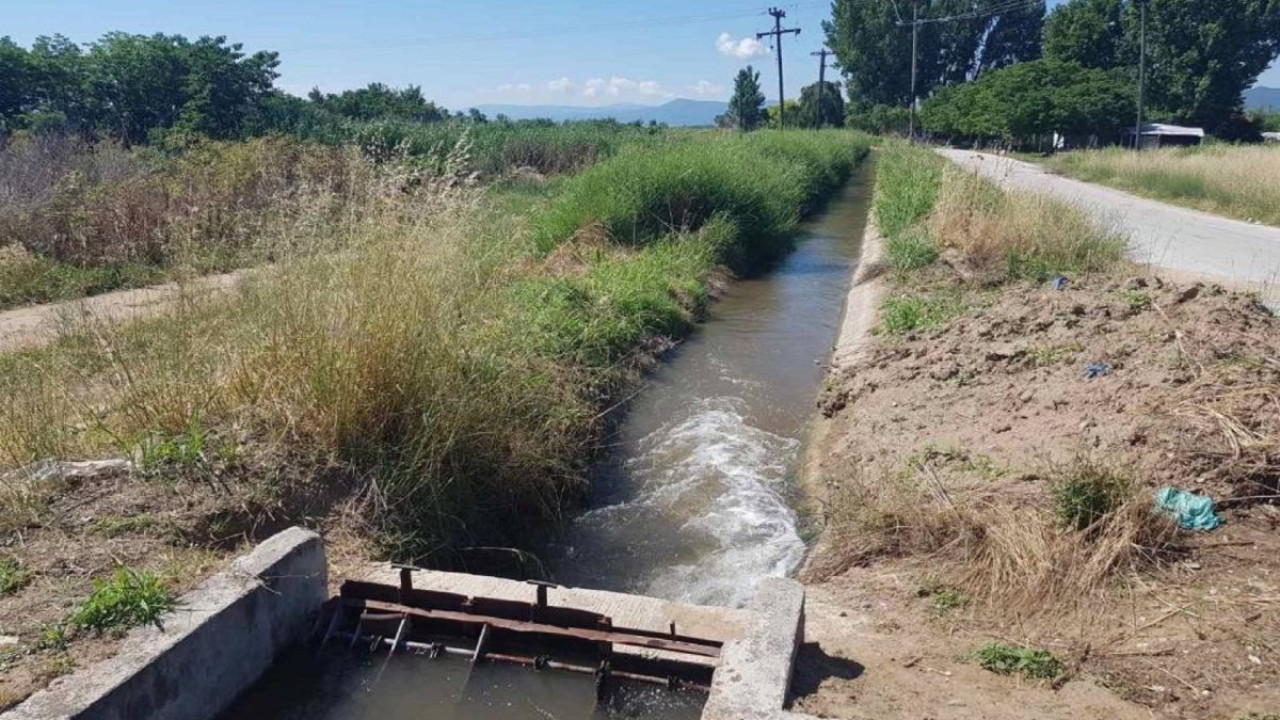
<point>1239,181</point>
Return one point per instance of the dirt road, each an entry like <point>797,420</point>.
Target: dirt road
<point>1163,235</point>
<point>37,325</point>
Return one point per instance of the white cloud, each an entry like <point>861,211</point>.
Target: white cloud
<point>517,88</point>
<point>619,84</point>
<point>705,87</point>
<point>744,49</point>
<point>649,87</point>
<point>592,87</point>
<point>564,84</point>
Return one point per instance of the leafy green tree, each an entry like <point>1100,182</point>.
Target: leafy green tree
<point>15,82</point>
<point>877,119</point>
<point>1201,55</point>
<point>746,105</point>
<point>793,115</point>
<point>872,44</point>
<point>377,101</point>
<point>1023,104</point>
<point>821,107</point>
<point>1088,32</point>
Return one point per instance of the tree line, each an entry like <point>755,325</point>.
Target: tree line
<point>1012,72</point>
<point>140,88</point>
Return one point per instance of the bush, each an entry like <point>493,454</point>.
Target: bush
<point>13,576</point>
<point>1086,492</point>
<point>129,598</point>
<point>916,312</point>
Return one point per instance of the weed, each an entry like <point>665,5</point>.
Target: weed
<point>129,598</point>
<point>53,636</point>
<point>1005,659</point>
<point>911,250</point>
<point>1136,299</point>
<point>908,313</point>
<point>1045,355</point>
<point>113,526</point>
<point>1086,492</point>
<point>943,598</point>
<point>13,576</point>
<point>186,449</point>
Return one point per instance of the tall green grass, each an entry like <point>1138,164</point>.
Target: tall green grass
<point>450,367</point>
<point>908,180</point>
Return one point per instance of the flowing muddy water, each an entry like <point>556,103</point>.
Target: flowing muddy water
<point>691,503</point>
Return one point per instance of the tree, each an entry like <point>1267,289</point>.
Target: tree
<point>821,107</point>
<point>15,82</point>
<point>872,44</point>
<point>746,106</point>
<point>1201,56</point>
<point>793,112</point>
<point>378,101</point>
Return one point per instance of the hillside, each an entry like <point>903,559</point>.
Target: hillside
<point>1259,98</point>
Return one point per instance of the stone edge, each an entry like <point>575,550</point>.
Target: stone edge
<point>754,676</point>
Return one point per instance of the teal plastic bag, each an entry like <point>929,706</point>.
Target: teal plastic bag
<point>1193,512</point>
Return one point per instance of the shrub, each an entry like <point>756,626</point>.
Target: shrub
<point>1087,492</point>
<point>13,576</point>
<point>129,598</point>
<point>908,313</point>
<point>1008,659</point>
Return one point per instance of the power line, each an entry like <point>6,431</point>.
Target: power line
<point>777,32</point>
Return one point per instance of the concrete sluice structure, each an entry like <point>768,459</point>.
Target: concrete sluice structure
<point>229,631</point>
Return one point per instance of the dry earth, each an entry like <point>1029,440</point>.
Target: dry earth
<point>992,401</point>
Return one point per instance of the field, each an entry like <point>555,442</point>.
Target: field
<point>433,379</point>
<point>1238,181</point>
<point>989,469</point>
<point>79,218</point>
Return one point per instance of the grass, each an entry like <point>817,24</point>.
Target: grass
<point>1031,663</point>
<point>447,370</point>
<point>1087,492</point>
<point>910,313</point>
<point>13,576</point>
<point>1238,181</point>
<point>128,599</point>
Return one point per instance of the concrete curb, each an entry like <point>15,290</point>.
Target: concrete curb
<point>224,635</point>
<point>754,676</point>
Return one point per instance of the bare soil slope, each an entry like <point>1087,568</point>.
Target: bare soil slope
<point>978,417</point>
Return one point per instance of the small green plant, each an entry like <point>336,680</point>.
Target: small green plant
<point>943,597</point>
<point>1045,355</point>
<point>1136,299</point>
<point>1086,492</point>
<point>915,312</point>
<point>911,250</point>
<point>13,576</point>
<point>53,637</point>
<point>129,598</point>
<point>186,449</point>
<point>1005,659</point>
<point>119,525</point>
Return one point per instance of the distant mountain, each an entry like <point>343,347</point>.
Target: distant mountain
<point>1261,98</point>
<point>679,112</point>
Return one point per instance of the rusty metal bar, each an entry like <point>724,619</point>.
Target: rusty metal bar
<point>538,663</point>
<point>654,641</point>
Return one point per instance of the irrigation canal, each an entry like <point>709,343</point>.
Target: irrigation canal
<point>691,502</point>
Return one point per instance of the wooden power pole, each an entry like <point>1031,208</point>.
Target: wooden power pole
<point>915,44</point>
<point>777,32</point>
<point>822,77</point>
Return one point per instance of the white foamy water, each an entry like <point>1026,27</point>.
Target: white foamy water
<point>720,481</point>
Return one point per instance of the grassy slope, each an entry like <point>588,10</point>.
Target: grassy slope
<point>1237,181</point>
<point>453,360</point>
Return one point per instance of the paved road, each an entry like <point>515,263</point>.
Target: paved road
<point>1163,235</point>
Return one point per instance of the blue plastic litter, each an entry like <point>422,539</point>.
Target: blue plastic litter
<point>1060,282</point>
<point>1096,370</point>
<point>1193,512</point>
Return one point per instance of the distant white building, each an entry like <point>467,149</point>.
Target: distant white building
<point>1155,135</point>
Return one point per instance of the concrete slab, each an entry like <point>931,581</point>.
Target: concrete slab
<point>754,676</point>
<point>224,635</point>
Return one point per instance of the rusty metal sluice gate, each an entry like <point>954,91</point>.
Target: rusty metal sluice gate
<point>533,634</point>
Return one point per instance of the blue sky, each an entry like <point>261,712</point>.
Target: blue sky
<point>468,52</point>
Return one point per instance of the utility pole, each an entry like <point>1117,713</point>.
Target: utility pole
<point>777,32</point>
<point>915,44</point>
<point>822,76</point>
<point>1142,71</point>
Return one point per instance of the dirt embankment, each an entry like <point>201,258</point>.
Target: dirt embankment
<point>941,461</point>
